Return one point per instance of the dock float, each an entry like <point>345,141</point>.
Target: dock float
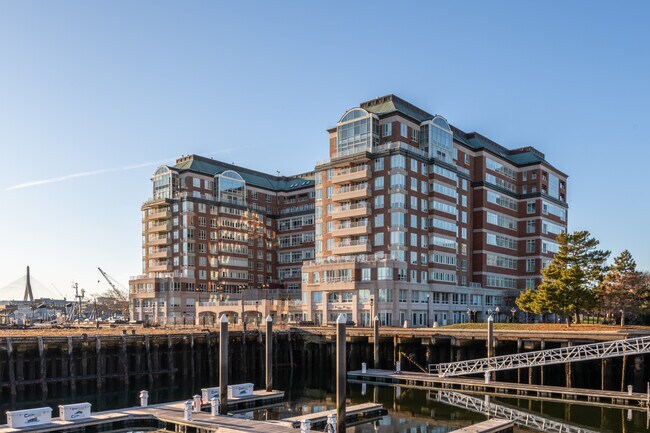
<point>489,426</point>
<point>596,397</point>
<point>169,416</point>
<point>353,413</point>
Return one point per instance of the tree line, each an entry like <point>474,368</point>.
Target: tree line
<point>578,282</point>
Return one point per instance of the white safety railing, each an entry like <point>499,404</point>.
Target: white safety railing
<point>503,412</point>
<point>585,352</point>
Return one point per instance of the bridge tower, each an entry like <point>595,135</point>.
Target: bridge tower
<point>29,296</point>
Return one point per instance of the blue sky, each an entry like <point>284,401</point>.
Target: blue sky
<point>96,94</point>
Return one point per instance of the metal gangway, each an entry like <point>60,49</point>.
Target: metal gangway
<point>585,352</point>
<point>504,412</point>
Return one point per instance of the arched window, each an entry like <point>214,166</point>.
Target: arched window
<point>357,131</point>
<point>162,183</point>
<point>230,187</point>
<point>353,114</point>
<point>437,138</point>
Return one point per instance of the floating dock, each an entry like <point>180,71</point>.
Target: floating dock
<point>353,413</point>
<point>489,426</point>
<point>614,399</point>
<point>171,417</point>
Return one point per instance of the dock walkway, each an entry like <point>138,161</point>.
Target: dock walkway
<point>352,412</point>
<point>636,400</point>
<point>170,416</point>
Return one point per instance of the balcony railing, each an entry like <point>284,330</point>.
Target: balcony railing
<point>339,209</point>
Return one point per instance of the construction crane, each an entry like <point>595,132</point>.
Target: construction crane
<point>120,295</point>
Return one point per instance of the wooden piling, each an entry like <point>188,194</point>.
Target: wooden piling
<point>223,365</point>
<point>12,366</point>
<point>269,353</point>
<point>147,349</point>
<point>124,361</point>
<point>341,374</point>
<point>170,359</point>
<point>71,366</point>
<point>43,366</point>
<point>99,362</point>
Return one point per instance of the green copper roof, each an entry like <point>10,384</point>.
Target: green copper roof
<point>212,167</point>
<point>391,103</point>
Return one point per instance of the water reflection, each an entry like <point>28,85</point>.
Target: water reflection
<point>409,410</point>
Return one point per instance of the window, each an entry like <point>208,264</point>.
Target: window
<point>530,206</point>
<point>196,182</point>
<point>365,274</point>
<point>379,239</point>
<point>398,200</point>
<point>384,273</point>
<point>414,165</point>
<point>386,129</point>
<point>397,239</point>
<point>530,226</point>
<point>530,265</point>
<point>414,134</point>
<point>379,183</point>
<point>530,283</point>
<point>379,202</point>
<point>398,161</point>
<point>414,184</point>
<point>403,130</point>
<point>530,245</point>
<point>379,164</point>
<point>398,181</point>
<point>467,159</point>
<point>379,220</point>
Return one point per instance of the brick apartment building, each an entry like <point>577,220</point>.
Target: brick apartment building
<point>223,237</point>
<point>410,219</point>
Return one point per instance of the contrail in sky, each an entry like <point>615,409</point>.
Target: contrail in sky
<point>101,171</point>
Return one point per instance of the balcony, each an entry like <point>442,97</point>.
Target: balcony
<point>351,211</point>
<point>162,254</point>
<point>351,193</point>
<point>160,214</point>
<point>160,240</point>
<point>353,247</point>
<point>161,267</point>
<point>351,174</point>
<point>157,228</point>
<point>353,229</point>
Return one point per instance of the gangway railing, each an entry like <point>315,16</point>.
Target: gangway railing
<point>504,412</point>
<point>585,352</point>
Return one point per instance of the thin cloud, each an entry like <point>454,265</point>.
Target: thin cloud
<point>100,171</point>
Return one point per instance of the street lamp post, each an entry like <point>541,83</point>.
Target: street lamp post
<point>372,301</point>
<point>469,315</point>
<point>475,317</point>
<point>513,311</point>
<point>428,309</point>
<point>496,310</point>
<point>622,318</point>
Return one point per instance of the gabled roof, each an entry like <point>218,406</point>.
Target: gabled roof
<point>213,167</point>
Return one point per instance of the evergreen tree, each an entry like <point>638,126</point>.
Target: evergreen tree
<point>569,281</point>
